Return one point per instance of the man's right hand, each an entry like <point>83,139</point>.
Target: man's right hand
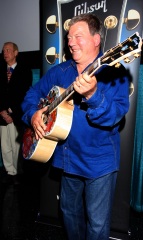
<point>6,117</point>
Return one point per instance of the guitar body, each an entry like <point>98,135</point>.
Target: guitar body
<point>58,124</point>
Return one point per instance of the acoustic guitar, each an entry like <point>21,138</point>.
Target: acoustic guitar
<point>58,117</point>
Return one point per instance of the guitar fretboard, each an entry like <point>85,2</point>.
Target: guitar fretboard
<point>65,95</point>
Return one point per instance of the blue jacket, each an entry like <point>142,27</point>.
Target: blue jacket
<point>92,148</point>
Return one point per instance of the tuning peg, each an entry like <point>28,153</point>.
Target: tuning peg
<point>127,60</point>
<point>136,55</point>
<point>117,65</point>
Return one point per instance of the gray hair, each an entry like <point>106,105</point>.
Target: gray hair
<point>94,23</point>
<point>15,47</point>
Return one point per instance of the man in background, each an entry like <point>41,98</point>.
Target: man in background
<point>15,80</point>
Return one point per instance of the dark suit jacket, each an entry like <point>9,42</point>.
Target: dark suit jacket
<point>12,93</point>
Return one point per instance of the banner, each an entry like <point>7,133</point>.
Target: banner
<point>121,19</point>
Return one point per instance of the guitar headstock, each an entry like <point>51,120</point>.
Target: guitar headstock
<point>127,51</point>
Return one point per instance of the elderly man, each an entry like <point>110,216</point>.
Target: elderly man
<point>15,80</point>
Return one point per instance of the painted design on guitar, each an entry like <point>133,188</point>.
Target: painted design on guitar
<point>49,119</point>
<point>29,143</point>
<point>58,117</point>
<point>58,123</point>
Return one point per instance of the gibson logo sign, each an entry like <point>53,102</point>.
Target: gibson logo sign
<point>83,8</point>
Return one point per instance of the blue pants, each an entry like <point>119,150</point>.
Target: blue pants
<point>86,206</point>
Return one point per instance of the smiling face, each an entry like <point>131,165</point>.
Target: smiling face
<point>9,53</point>
<point>83,46</point>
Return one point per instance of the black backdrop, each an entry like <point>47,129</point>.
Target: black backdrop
<point>50,183</point>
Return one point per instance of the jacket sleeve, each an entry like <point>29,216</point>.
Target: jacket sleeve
<point>110,102</point>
